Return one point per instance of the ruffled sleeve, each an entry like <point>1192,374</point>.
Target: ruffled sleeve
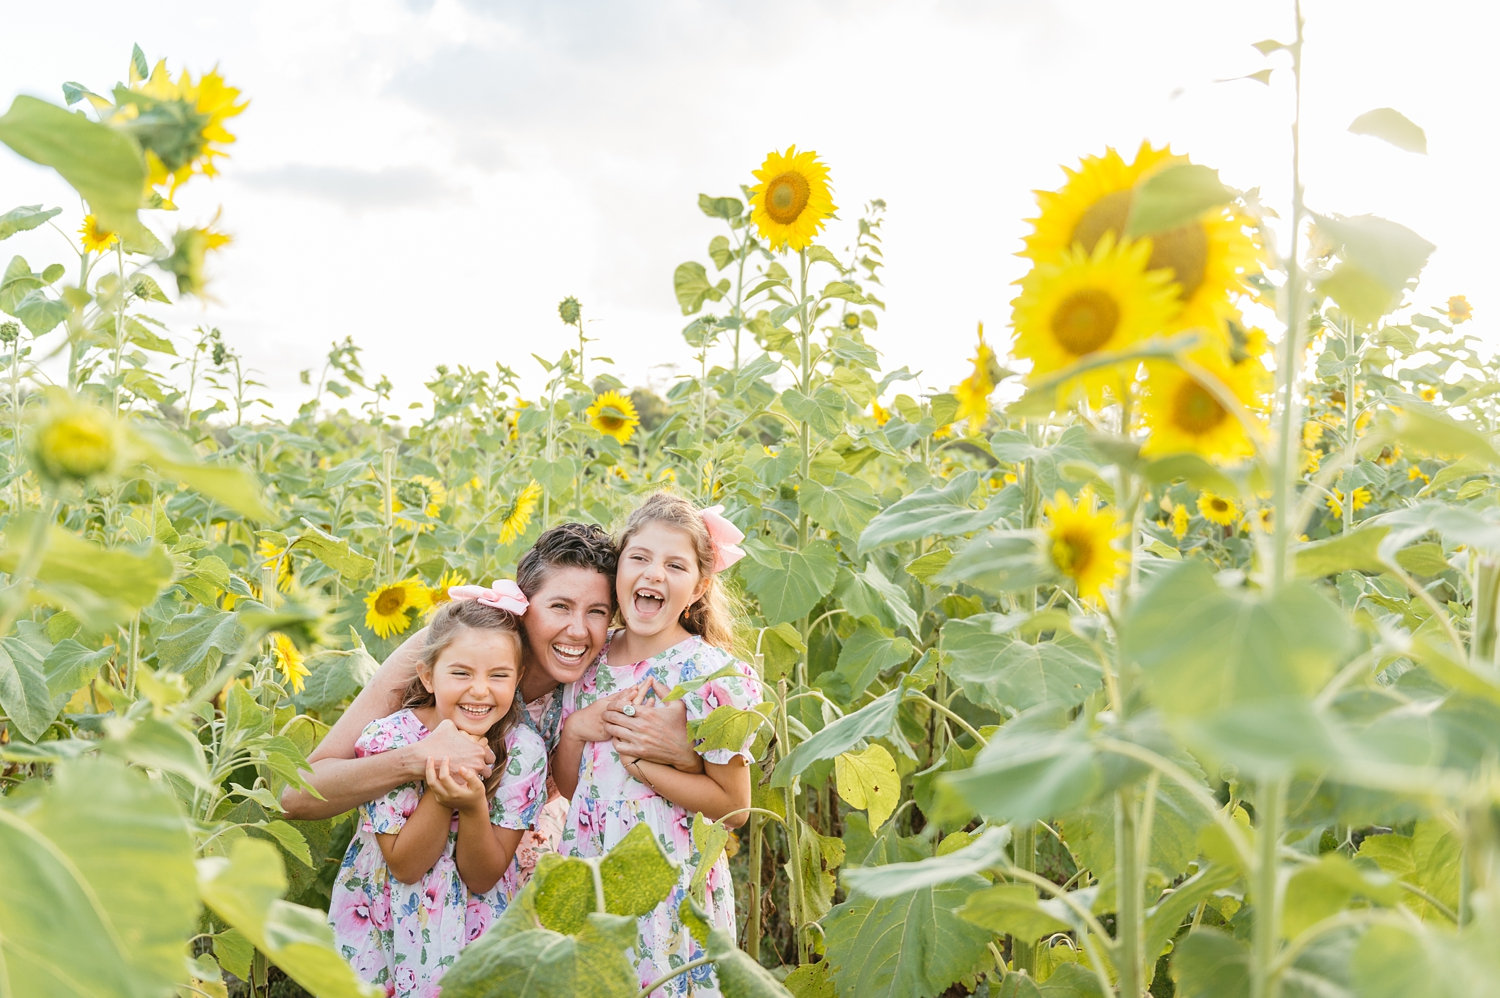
<point>740,689</point>
<point>522,791</point>
<point>387,815</point>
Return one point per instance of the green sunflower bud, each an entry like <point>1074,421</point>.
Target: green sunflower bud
<point>570,310</point>
<point>76,442</point>
<point>9,332</point>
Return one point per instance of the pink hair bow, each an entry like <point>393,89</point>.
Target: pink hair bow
<point>724,536</point>
<point>502,594</point>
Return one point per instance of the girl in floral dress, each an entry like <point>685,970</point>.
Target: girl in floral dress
<point>676,627</point>
<point>430,864</point>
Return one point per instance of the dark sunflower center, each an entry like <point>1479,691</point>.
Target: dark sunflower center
<point>1183,250</point>
<point>1196,410</point>
<point>1220,506</point>
<point>1072,551</point>
<point>1084,321</point>
<point>786,196</point>
<point>390,601</point>
<point>611,420</point>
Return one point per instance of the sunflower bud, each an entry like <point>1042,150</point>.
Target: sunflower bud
<point>75,442</point>
<point>189,248</point>
<point>851,320</point>
<point>570,310</point>
<point>9,332</point>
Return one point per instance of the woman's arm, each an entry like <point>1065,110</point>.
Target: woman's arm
<point>722,789</point>
<point>345,782</point>
<point>657,733</point>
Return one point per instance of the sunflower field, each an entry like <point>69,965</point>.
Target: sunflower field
<point>1159,655</point>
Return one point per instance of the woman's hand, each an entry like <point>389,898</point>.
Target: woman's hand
<point>455,787</point>
<point>657,732</point>
<point>587,725</point>
<point>459,748</point>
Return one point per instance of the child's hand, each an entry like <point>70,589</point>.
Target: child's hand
<point>455,787</point>
<point>461,749</point>
<point>657,733</point>
<point>587,725</point>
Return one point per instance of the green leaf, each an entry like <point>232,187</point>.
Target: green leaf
<point>868,781</point>
<point>636,875</point>
<point>24,696</point>
<point>931,511</point>
<point>709,840</point>
<point>244,889</point>
<point>823,410</point>
<point>788,584</point>
<point>27,216</point>
<point>738,974</point>
<point>1015,910</point>
<point>334,676</point>
<point>69,666</point>
<point>876,719</point>
<point>845,506</point>
<point>194,642</point>
<point>1429,859</point>
<point>1001,561</point>
<point>1034,768</point>
<point>845,291</point>
<point>39,313</point>
<point>564,892</point>
<point>1379,259</point>
<point>72,923</point>
<point>728,727</point>
<point>819,856</point>
<point>810,980</point>
<point>868,652</point>
<point>1394,127</point>
<point>1174,196</point>
<point>987,852</point>
<point>911,946</point>
<point>870,595</point>
<point>691,285</point>
<point>538,963</point>
<point>930,565</point>
<point>334,552</point>
<point>1321,889</point>
<point>996,669</point>
<point>153,743</point>
<point>728,209</point>
<point>1207,963</point>
<point>125,580</point>
<point>720,252</point>
<point>101,164</point>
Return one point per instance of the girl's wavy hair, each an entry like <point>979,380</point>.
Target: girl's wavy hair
<point>714,615</point>
<point>449,621</point>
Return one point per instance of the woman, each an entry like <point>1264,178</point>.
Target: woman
<point>568,576</point>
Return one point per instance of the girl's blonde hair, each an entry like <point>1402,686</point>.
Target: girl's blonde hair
<point>449,621</point>
<point>714,615</point>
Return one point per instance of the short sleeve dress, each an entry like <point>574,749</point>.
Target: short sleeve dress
<point>405,936</point>
<point>609,802</point>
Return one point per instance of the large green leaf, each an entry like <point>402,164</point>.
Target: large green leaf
<point>1015,910</point>
<point>788,584</point>
<point>1001,561</point>
<point>334,552</point>
<point>124,580</point>
<point>101,164</point>
<point>539,963</point>
<point>909,946</point>
<point>823,410</point>
<point>876,719</point>
<point>930,511</point>
<point>333,677</point>
<point>27,216</point>
<point>1174,196</point>
<point>194,642</point>
<point>845,506</point>
<point>740,976</point>
<point>868,652</point>
<point>91,914</point>
<point>636,875</point>
<point>1037,766</point>
<point>869,594</point>
<point>987,852</point>
<point>245,889</point>
<point>994,668</point>
<point>1430,859</point>
<point>24,696</point>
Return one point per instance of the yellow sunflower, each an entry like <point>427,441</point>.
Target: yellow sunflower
<point>1428,394</point>
<point>792,199</point>
<point>1180,517</point>
<point>418,492</point>
<point>516,517</point>
<point>179,124</point>
<point>1358,499</point>
<point>289,662</point>
<point>438,595</point>
<point>1414,473</point>
<point>1086,304</point>
<point>281,557</point>
<point>1459,310</point>
<point>1081,542</point>
<point>613,415</point>
<point>76,441</point>
<point>973,392</point>
<point>879,413</point>
<point>190,249</point>
<point>1209,258</point>
<point>389,606</point>
<point>1262,520</point>
<point>1183,414</point>
<point>1218,509</point>
<point>96,238</point>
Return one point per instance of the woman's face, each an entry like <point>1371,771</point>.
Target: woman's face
<point>567,621</point>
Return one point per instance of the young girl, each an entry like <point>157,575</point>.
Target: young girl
<point>427,870</point>
<point>676,627</point>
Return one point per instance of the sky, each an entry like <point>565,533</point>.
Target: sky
<point>431,177</point>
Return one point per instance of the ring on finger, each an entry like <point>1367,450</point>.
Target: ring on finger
<point>628,710</point>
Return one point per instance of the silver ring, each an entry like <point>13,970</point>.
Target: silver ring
<point>628,710</point>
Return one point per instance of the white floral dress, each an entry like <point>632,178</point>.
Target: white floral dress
<point>405,936</point>
<point>545,716</point>
<point>609,802</point>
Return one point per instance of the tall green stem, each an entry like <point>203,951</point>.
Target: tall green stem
<point>1130,958</point>
<point>752,921</point>
<point>793,832</point>
<point>1270,813</point>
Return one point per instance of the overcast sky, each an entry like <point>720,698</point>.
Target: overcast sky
<point>431,178</point>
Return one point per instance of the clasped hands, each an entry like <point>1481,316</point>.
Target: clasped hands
<point>652,728</point>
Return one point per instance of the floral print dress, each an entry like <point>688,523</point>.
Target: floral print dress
<point>610,801</point>
<point>405,936</point>
<point>544,714</point>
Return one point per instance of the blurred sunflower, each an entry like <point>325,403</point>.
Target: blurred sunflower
<point>1358,499</point>
<point>879,413</point>
<point>1081,542</point>
<point>1180,517</point>
<point>974,391</point>
<point>389,606</point>
<point>1218,509</point>
<point>613,415</point>
<point>281,557</point>
<point>96,238</point>
<point>76,441</point>
<point>437,595</point>
<point>1208,258</point>
<point>1183,415</point>
<point>792,199</point>
<point>289,662</point>
<point>1262,520</point>
<point>1459,310</point>
<point>515,518</point>
<point>179,124</point>
<point>1088,303</point>
<point>418,492</point>
<point>190,249</point>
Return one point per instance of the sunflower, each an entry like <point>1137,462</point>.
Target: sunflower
<point>1086,304</point>
<point>281,557</point>
<point>1262,520</point>
<point>1081,542</point>
<point>190,249</point>
<point>438,595</point>
<point>515,518</point>
<point>76,441</point>
<point>1358,499</point>
<point>792,199</point>
<point>1218,509</point>
<point>974,391</point>
<point>1459,310</point>
<point>1413,473</point>
<point>289,662</point>
<point>179,124</point>
<point>613,415</point>
<point>1428,394</point>
<point>879,413</point>
<point>418,492</point>
<point>96,238</point>
<point>1208,258</point>
<point>1183,413</point>
<point>1180,517</point>
<point>389,606</point>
